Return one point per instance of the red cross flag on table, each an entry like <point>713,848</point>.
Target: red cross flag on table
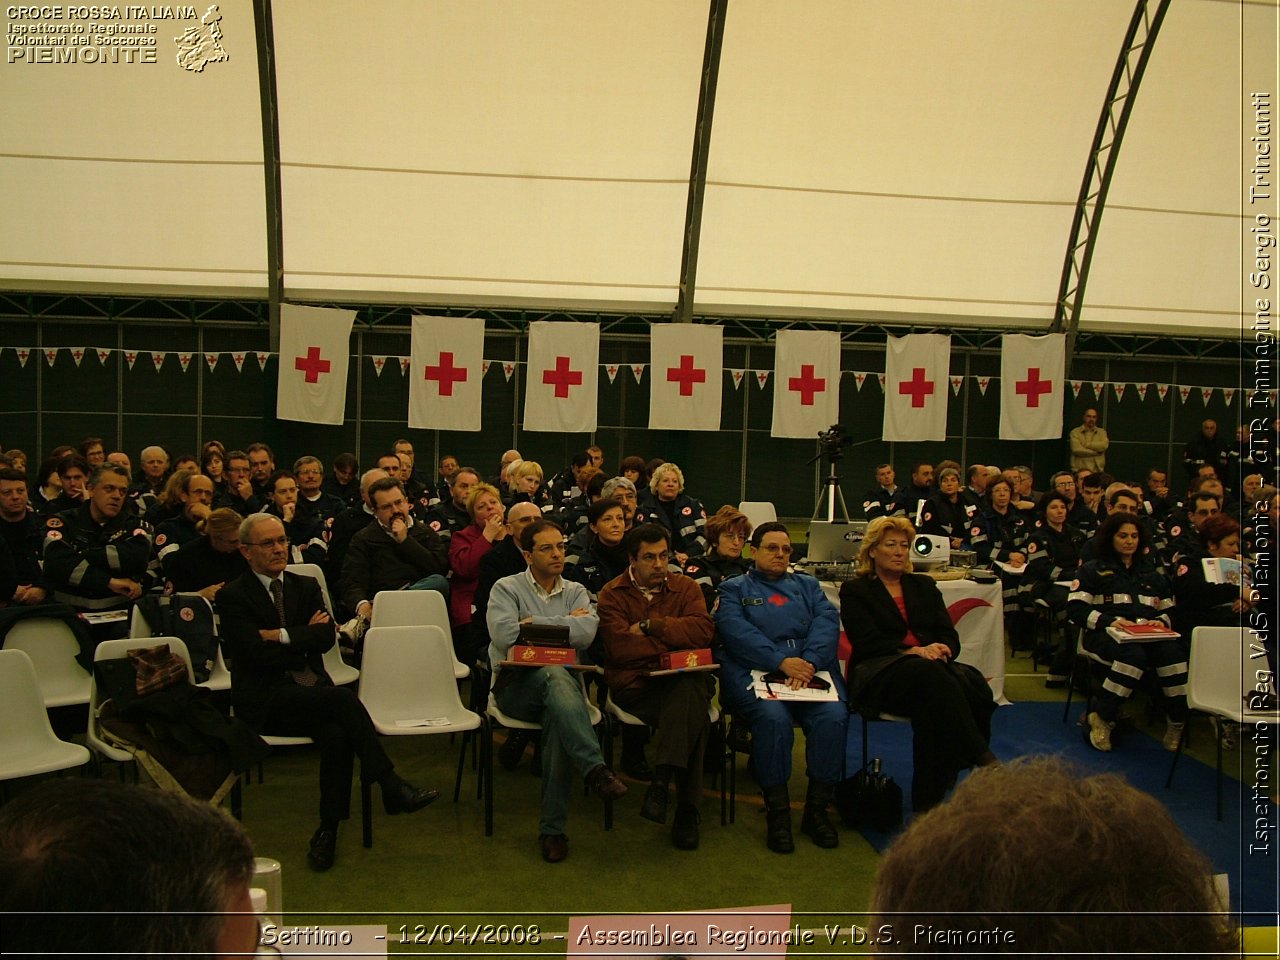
<point>1032,386</point>
<point>562,377</point>
<point>686,376</point>
<point>916,370</point>
<point>314,349</point>
<point>806,383</point>
<point>444,373</point>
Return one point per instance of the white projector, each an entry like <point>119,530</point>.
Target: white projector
<point>928,551</point>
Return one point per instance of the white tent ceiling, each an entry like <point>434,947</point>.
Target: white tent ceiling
<point>886,159</point>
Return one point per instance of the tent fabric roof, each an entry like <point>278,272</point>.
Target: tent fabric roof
<point>868,159</point>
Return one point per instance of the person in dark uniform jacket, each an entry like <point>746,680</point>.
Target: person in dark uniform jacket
<point>903,662</point>
<point>683,516</point>
<point>276,629</point>
<point>728,531</point>
<point>1198,602</point>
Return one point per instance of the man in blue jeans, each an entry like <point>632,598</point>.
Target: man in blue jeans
<point>551,696</point>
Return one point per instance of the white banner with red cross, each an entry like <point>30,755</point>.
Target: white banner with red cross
<point>1031,386</point>
<point>314,351</point>
<point>915,391</point>
<point>562,377</point>
<point>445,373</point>
<point>686,376</point>
<point>806,383</point>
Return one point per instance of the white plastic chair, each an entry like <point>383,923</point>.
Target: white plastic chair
<point>52,647</point>
<point>1221,672</point>
<point>28,745</point>
<point>758,511</point>
<point>340,672</point>
<point>115,650</point>
<point>416,608</point>
<point>407,689</point>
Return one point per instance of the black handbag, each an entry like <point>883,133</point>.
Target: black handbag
<point>870,798</point>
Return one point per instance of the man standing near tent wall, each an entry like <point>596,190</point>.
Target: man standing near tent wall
<point>1089,443</point>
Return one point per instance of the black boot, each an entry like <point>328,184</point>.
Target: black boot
<point>815,821</point>
<point>777,809</point>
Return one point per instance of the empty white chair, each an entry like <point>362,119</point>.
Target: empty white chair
<point>758,511</point>
<point>416,608</point>
<point>315,572</point>
<point>28,745</point>
<point>407,687</point>
<point>52,647</point>
<point>340,672</point>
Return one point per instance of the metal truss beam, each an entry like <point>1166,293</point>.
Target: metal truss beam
<point>1135,53</point>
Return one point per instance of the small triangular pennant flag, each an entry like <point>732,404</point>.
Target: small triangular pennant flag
<point>1075,388</point>
<point>157,358</point>
<point>104,354</point>
<point>212,360</point>
<point>77,354</point>
<point>184,359</point>
<point>883,379</point>
<point>238,360</point>
<point>1162,390</point>
<point>1184,393</point>
<point>379,362</point>
<point>956,383</point>
<point>983,383</point>
<point>859,377</point>
<point>1119,389</point>
<point>1142,390</point>
<point>262,360</point>
<point>484,368</point>
<point>762,377</point>
<point>508,368</point>
<point>404,366</point>
<point>131,357</point>
<point>23,356</point>
<point>1206,394</point>
<point>1229,394</point>
<point>637,370</point>
<point>737,374</point>
<point>51,354</point>
<point>612,370</point>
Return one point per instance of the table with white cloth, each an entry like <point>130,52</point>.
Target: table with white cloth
<point>977,610</point>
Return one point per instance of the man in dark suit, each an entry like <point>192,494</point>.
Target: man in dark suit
<point>276,629</point>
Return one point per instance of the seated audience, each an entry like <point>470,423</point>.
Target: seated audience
<point>307,542</point>
<point>22,531</point>
<point>775,621</point>
<point>466,549</point>
<point>205,564</point>
<point>903,662</point>
<point>1122,588</point>
<point>728,532</point>
<point>1098,868</point>
<point>312,499</point>
<point>1053,554</point>
<point>604,556</point>
<point>450,515</point>
<point>239,494</point>
<point>1200,602</point>
<point>194,494</point>
<point>683,516</point>
<point>342,480</point>
<point>73,474</point>
<point>949,513</point>
<point>549,695</point>
<point>634,469</point>
<point>276,630</point>
<point>647,611</point>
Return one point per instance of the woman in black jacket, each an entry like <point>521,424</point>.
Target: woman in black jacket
<point>903,662</point>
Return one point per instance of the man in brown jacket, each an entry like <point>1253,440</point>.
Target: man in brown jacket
<point>645,612</point>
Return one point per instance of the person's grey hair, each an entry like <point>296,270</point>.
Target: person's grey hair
<point>158,870</point>
<point>252,520</point>
<point>614,484</point>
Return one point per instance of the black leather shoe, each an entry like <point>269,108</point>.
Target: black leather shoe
<point>817,824</point>
<point>605,783</point>
<point>323,849</point>
<point>684,832</point>
<point>406,798</point>
<point>555,846</point>
<point>654,806</point>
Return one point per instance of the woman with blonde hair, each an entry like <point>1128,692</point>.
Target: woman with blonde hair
<point>903,662</point>
<point>667,504</point>
<point>526,485</point>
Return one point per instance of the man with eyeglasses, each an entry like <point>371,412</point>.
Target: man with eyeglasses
<point>647,611</point>
<point>1078,513</point>
<point>313,501</point>
<point>239,494</point>
<point>775,621</point>
<point>549,695</point>
<point>277,629</point>
<point>393,553</point>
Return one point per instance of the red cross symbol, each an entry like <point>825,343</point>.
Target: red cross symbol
<point>1033,386</point>
<point>807,385</point>
<point>917,386</point>
<point>687,375</point>
<point>562,377</point>
<point>778,600</point>
<point>312,364</point>
<point>446,373</point>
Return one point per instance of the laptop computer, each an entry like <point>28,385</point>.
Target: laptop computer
<point>835,542</point>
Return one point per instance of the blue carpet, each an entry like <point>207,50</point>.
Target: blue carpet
<point>1023,729</point>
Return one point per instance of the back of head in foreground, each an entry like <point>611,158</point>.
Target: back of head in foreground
<point>1060,863</point>
<point>129,871</point>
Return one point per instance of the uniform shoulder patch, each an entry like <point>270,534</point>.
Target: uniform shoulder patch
<point>53,535</point>
<point>53,523</point>
<point>1032,547</point>
<point>1075,584</point>
<point>161,539</point>
<point>434,525</point>
<point>687,511</point>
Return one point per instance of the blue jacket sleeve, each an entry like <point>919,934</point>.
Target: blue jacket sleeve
<point>743,640</point>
